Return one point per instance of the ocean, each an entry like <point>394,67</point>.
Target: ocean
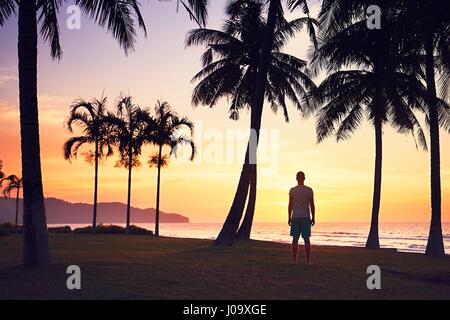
<point>405,237</point>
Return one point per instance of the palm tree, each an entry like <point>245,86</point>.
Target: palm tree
<point>166,131</point>
<point>89,116</point>
<point>118,16</point>
<point>13,182</point>
<point>230,69</point>
<point>364,82</point>
<point>2,175</point>
<point>128,131</point>
<point>425,28</point>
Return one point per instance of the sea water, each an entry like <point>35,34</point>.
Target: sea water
<point>406,237</point>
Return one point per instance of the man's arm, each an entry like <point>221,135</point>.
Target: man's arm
<point>289,210</point>
<point>313,210</point>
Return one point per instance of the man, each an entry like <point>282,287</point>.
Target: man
<point>301,199</point>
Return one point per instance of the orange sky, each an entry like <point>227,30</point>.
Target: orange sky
<point>341,174</point>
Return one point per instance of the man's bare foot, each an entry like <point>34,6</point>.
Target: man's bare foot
<point>309,264</point>
<point>292,263</point>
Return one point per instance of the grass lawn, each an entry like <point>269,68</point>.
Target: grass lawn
<point>141,267</point>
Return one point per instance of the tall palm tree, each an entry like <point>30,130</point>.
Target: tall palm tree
<point>90,116</point>
<point>166,129</point>
<point>426,26</point>
<point>230,69</point>
<point>128,131</point>
<point>13,183</point>
<point>118,16</point>
<point>364,81</point>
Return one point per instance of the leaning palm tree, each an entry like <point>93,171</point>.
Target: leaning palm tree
<point>90,116</point>
<point>166,129</point>
<point>128,128</point>
<point>230,70</point>
<point>120,17</point>
<point>365,82</point>
<point>13,183</point>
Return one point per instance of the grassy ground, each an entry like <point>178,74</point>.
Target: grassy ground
<point>141,267</point>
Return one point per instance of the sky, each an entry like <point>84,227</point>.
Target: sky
<point>93,64</point>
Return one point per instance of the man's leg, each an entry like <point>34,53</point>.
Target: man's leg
<point>294,249</point>
<point>308,251</point>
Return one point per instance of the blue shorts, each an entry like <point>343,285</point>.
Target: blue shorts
<point>301,227</point>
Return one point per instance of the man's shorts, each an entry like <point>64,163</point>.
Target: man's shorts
<point>301,227</point>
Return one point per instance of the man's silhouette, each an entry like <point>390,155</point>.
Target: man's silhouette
<point>301,199</point>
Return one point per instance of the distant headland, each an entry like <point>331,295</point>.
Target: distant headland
<point>63,212</point>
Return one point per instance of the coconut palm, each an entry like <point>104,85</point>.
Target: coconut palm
<point>419,25</point>
<point>425,28</point>
<point>13,183</point>
<point>90,116</point>
<point>365,82</point>
<point>230,68</point>
<point>166,130</point>
<point>120,18</point>
<point>128,127</point>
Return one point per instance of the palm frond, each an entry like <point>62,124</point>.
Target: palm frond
<point>71,146</point>
<point>197,10</point>
<point>7,8</point>
<point>2,174</point>
<point>13,183</point>
<point>120,17</point>
<point>155,161</point>
<point>48,18</point>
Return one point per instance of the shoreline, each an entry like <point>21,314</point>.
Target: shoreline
<point>405,237</point>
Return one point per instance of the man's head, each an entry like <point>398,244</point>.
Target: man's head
<point>300,177</point>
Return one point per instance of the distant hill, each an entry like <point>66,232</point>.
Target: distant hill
<point>60,212</point>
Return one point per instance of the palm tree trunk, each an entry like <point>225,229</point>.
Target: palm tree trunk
<point>94,215</point>
<point>130,167</point>
<point>435,245</point>
<point>35,237</point>
<point>228,232</point>
<point>158,184</point>
<point>246,226</point>
<point>229,228</point>
<point>17,205</point>
<point>373,241</point>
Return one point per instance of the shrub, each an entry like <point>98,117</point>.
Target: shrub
<point>8,228</point>
<point>65,229</point>
<point>83,230</point>
<point>113,229</point>
<point>140,231</point>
